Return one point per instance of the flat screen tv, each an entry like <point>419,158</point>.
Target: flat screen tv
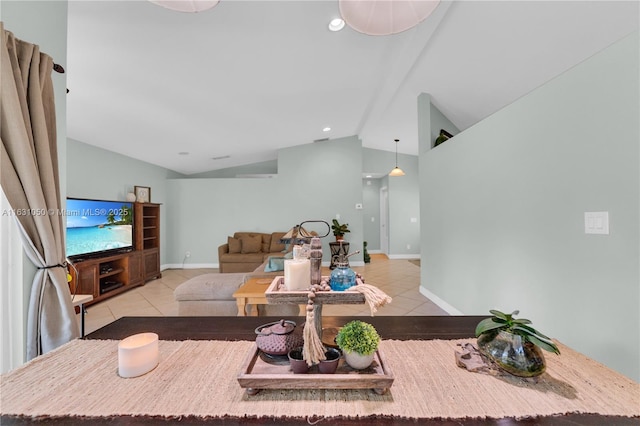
<point>98,227</point>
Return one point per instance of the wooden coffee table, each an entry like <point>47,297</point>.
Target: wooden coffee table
<point>252,293</point>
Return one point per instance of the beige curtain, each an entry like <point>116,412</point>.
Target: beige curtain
<point>29,178</point>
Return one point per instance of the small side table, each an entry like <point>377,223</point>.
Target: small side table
<point>79,300</point>
<point>251,292</point>
<point>338,248</point>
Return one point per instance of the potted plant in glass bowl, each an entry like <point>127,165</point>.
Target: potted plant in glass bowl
<point>359,342</point>
<point>513,344</point>
<point>339,229</point>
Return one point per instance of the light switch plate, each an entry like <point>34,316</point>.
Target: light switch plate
<point>596,223</point>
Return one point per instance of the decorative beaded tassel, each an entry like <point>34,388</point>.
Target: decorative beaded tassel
<point>373,295</point>
<point>313,349</point>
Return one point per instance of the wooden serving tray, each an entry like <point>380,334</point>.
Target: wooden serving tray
<point>257,374</point>
<point>278,296</point>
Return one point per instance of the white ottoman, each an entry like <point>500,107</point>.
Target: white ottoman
<point>212,295</point>
<point>209,295</point>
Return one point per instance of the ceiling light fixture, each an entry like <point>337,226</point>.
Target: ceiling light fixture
<point>385,17</point>
<point>191,6</point>
<point>336,24</point>
<point>326,129</point>
<point>397,171</point>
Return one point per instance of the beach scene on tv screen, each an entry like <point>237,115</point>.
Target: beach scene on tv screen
<point>95,226</point>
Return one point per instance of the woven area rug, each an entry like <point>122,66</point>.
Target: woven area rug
<point>199,378</point>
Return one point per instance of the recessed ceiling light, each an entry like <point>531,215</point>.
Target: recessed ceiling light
<point>336,24</point>
<point>326,129</point>
<point>183,153</point>
<point>221,158</point>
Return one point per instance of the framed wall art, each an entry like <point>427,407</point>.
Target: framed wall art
<point>143,194</point>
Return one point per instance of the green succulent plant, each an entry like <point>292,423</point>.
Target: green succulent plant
<point>520,326</point>
<point>357,336</point>
<point>339,229</point>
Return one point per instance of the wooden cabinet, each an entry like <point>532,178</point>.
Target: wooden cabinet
<point>151,259</point>
<point>103,277</point>
<point>136,268</point>
<point>147,230</point>
<point>109,275</point>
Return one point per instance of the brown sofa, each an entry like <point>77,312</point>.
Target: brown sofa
<point>245,251</point>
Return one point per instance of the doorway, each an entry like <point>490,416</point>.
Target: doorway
<point>384,214</point>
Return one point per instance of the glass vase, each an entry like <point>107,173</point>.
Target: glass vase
<point>342,277</point>
<point>512,353</point>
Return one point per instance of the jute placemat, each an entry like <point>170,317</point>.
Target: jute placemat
<point>199,378</point>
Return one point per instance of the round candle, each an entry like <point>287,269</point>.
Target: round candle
<point>137,354</point>
<point>297,274</point>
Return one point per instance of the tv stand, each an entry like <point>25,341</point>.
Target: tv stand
<point>106,276</point>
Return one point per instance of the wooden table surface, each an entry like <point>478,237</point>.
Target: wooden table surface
<point>242,328</point>
<point>252,293</point>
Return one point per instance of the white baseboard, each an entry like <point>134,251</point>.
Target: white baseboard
<point>374,251</point>
<point>404,256</point>
<point>189,266</point>
<point>441,303</point>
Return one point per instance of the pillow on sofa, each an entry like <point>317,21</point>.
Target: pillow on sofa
<point>276,246</point>
<point>234,245</point>
<point>276,263</point>
<point>251,244</point>
<point>266,242</point>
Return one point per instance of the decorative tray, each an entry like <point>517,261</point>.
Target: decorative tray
<point>276,294</point>
<point>259,371</point>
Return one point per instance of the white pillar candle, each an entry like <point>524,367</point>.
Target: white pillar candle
<point>297,274</point>
<point>137,354</point>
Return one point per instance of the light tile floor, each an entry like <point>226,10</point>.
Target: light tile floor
<point>400,279</point>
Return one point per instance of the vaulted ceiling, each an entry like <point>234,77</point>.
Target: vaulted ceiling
<point>247,78</point>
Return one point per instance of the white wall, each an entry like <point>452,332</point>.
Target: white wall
<point>504,202</point>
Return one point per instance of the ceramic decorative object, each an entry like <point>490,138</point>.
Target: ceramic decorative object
<point>359,342</point>
<point>278,338</point>
<point>330,365</point>
<point>513,344</point>
<point>358,361</point>
<point>296,361</point>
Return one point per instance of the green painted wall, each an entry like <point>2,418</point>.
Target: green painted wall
<point>314,181</point>
<point>371,212</point>
<point>404,200</point>
<point>439,121</point>
<point>504,202</point>
<point>101,174</point>
<point>264,168</point>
